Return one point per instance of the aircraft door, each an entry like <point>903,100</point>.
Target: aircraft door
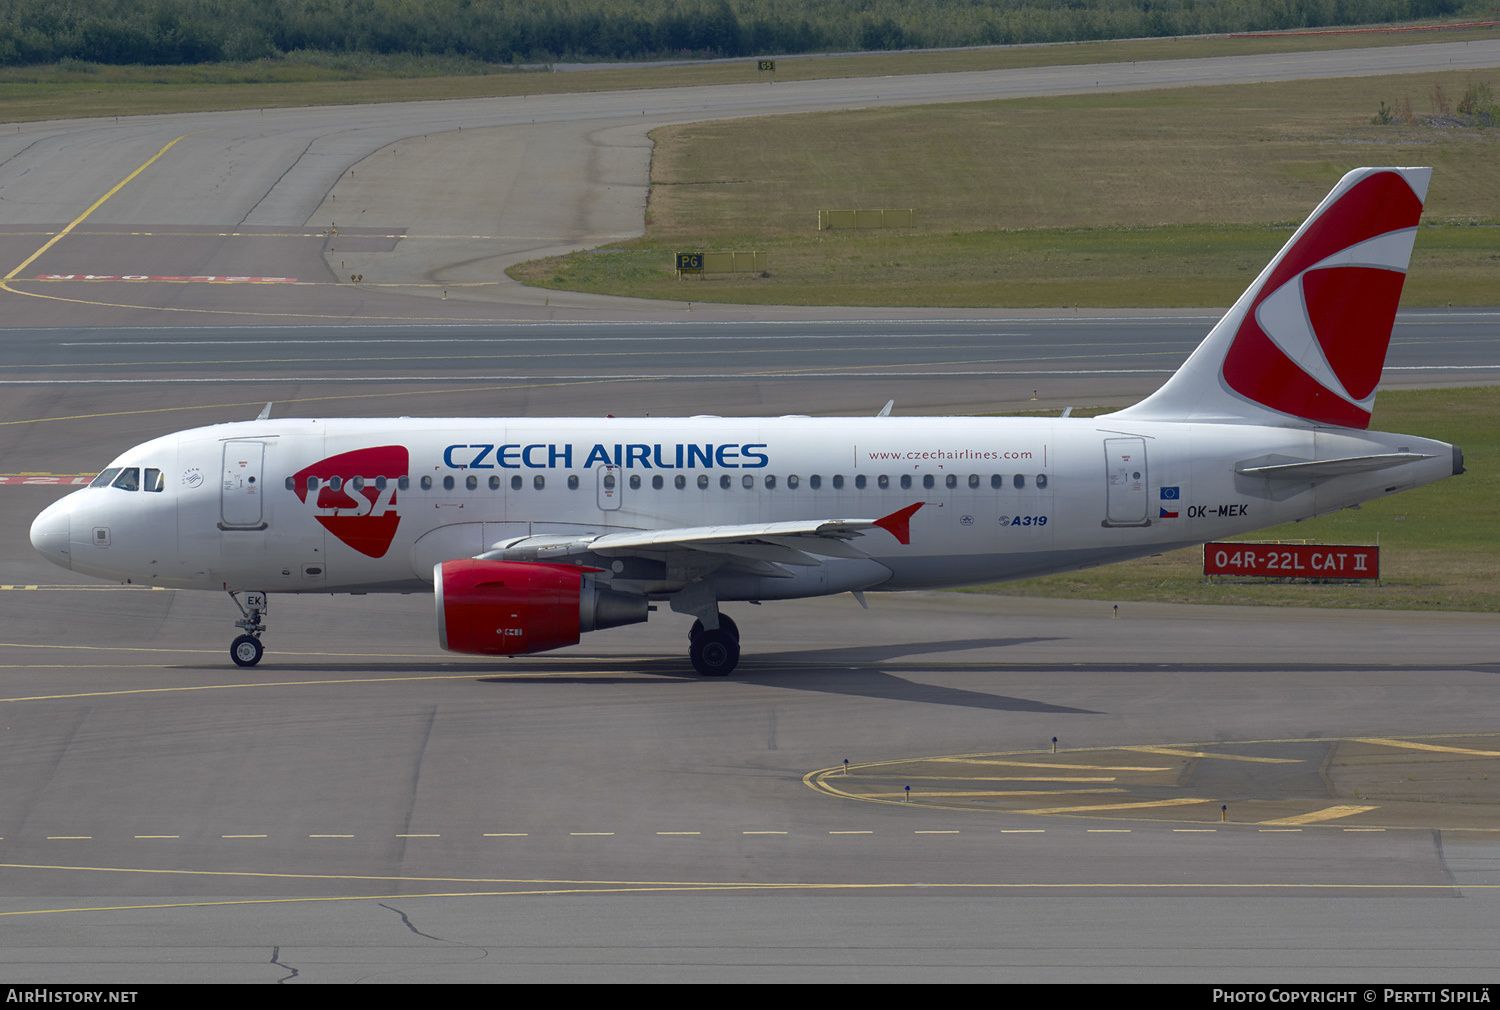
<point>1127,480</point>
<point>242,485</point>
<point>611,481</point>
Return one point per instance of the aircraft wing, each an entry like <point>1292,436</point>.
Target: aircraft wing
<point>753,545</point>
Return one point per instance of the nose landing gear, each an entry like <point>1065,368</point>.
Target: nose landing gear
<point>247,649</point>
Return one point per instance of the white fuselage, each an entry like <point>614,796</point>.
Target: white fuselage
<point>372,504</point>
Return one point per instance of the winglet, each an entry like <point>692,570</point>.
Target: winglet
<point>898,524</point>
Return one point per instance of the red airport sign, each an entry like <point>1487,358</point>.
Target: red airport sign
<point>1292,561</point>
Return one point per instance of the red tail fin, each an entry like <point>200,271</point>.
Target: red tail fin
<point>1307,341</point>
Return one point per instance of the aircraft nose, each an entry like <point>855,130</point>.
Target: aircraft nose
<point>50,533</point>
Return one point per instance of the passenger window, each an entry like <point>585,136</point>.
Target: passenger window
<point>515,483</point>
<point>838,482</point>
<point>791,482</point>
<point>928,480</point>
<point>379,483</point>
<point>106,478</point>
<point>859,482</point>
<point>997,481</point>
<point>426,483</point>
<point>312,483</point>
<point>815,482</point>
<point>291,484</point>
<point>494,482</point>
<point>906,482</point>
<point>883,481</point>
<point>952,481</point>
<point>403,483</point>
<point>1018,481</point>
<point>974,480</point>
<point>748,481</point>
<point>724,482</point>
<point>357,483</point>
<point>539,482</point>
<point>338,482</point>
<point>129,479</point>
<point>572,482</point>
<point>471,482</point>
<point>770,481</point>
<point>679,482</point>
<point>703,482</point>
<point>447,483</point>
<point>656,482</point>
<point>1041,480</point>
<point>635,482</point>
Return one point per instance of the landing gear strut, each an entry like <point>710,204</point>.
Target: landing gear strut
<point>247,649</point>
<point>716,652</point>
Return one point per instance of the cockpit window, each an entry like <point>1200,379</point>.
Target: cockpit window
<point>154,481</point>
<point>106,478</point>
<point>129,479</point>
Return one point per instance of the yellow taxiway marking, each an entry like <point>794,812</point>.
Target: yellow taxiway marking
<point>158,836</point>
<point>69,838</point>
<point>1174,752</point>
<point>590,834</point>
<point>854,832</point>
<point>243,836</point>
<point>419,836</point>
<point>679,832</point>
<point>927,832</point>
<point>926,795</point>
<point>505,834</point>
<point>530,888</point>
<point>1055,765</point>
<point>1146,805</point>
<point>330,836</point>
<point>81,217</point>
<point>1412,745</point>
<point>762,832</point>
<point>1326,814</point>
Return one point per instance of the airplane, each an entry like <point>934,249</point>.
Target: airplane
<point>531,531</point>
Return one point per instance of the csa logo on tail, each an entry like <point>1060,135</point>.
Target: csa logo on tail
<point>1313,340</point>
<point>363,517</point>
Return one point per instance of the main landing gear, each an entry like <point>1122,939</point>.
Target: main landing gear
<point>247,650</point>
<point>714,652</point>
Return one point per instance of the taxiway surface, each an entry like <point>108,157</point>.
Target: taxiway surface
<point>364,807</point>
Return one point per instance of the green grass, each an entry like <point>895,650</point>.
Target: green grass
<point>1159,198</point>
<point>74,89</point>
<point>1439,549</point>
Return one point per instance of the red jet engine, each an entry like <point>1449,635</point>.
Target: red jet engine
<point>511,608</point>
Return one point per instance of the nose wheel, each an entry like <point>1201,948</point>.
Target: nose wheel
<point>247,649</point>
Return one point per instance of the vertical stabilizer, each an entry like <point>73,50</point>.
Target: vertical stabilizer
<point>1305,344</point>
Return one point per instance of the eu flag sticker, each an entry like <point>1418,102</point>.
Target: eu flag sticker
<point>1169,493</point>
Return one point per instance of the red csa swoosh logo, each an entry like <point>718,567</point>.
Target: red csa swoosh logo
<point>364,518</point>
<point>1314,340</point>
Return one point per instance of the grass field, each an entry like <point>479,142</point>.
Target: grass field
<point>74,89</point>
<point>1439,547</point>
<point>1156,198</point>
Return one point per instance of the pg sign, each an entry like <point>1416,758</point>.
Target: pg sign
<point>1292,561</point>
<point>690,263</point>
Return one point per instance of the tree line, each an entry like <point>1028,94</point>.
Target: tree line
<point>158,32</point>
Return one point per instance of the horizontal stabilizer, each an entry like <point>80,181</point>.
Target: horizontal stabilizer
<point>1321,469</point>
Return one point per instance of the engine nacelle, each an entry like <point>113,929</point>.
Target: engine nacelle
<point>510,608</point>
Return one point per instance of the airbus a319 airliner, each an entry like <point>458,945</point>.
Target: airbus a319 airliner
<point>531,531</point>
